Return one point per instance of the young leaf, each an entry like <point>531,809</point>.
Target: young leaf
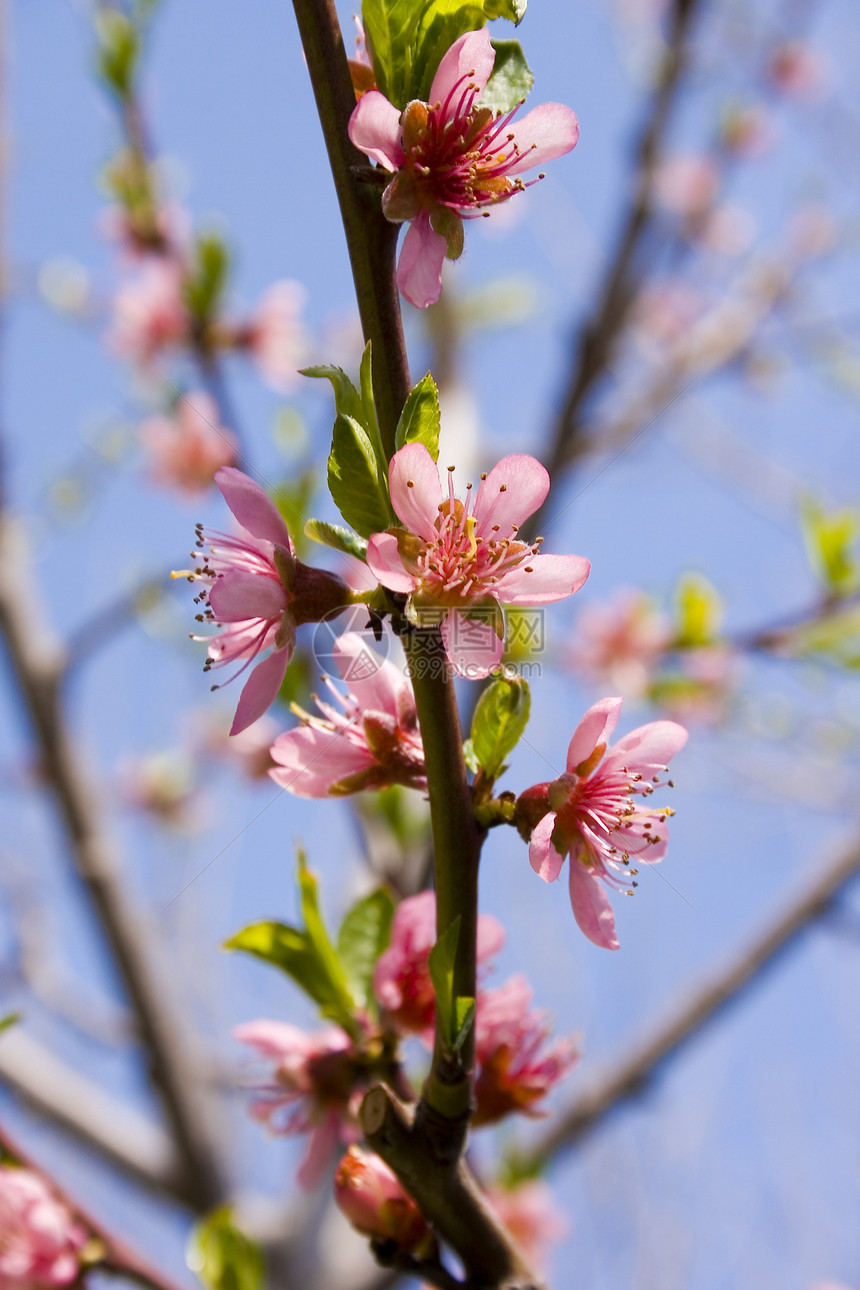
<point>11,1019</point>
<point>354,481</point>
<point>699,611</point>
<point>513,10</point>
<point>316,932</point>
<point>464,1017</point>
<point>441,964</point>
<point>420,420</point>
<point>336,536</point>
<point>204,289</point>
<point>501,716</point>
<point>346,397</point>
<point>829,537</point>
<point>119,50</point>
<point>511,79</point>
<point>363,935</point>
<point>223,1257</point>
<point>390,26</point>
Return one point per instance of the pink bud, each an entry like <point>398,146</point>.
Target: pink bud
<point>373,1200</point>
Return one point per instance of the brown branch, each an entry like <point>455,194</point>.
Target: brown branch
<point>598,338</point>
<point>38,665</point>
<point>631,1073</point>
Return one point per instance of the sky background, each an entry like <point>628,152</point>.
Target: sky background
<point>739,1167</point>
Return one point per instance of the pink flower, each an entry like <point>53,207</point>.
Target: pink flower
<point>371,1197</point>
<point>687,184</point>
<point>588,813</point>
<point>258,592</point>
<point>515,1069</point>
<point>531,1216</point>
<point>373,743</point>
<point>620,642</point>
<point>460,560</point>
<point>186,449</point>
<point>796,68</point>
<point>314,1086</point>
<point>452,159</point>
<point>275,336</point>
<point>149,312</point>
<point>401,981</point>
<point>40,1240</point>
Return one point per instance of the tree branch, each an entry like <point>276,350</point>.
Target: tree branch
<point>631,1073</point>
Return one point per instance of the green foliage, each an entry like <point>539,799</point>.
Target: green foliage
<point>205,287</point>
<point>222,1257</point>
<point>11,1019</point>
<point>455,1013</point>
<point>501,716</point>
<point>830,537</point>
<point>512,77</point>
<point>304,954</point>
<point>420,419</point>
<point>363,935</point>
<point>408,38</point>
<point>699,612</point>
<point>118,51</point>
<point>337,537</point>
<point>347,399</point>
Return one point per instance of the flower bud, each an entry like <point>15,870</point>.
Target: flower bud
<point>373,1200</point>
<point>532,805</point>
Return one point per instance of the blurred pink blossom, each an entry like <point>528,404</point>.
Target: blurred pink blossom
<point>314,1088</point>
<point>516,1066</point>
<point>373,743</point>
<point>150,315</point>
<point>187,448</point>
<point>588,813</point>
<point>620,642</point>
<point>666,310</point>
<point>401,981</point>
<point>40,1240</point>
<point>797,69</point>
<point>460,557</point>
<point>371,1197</point>
<point>687,184</point>
<point>529,1212</point>
<point>727,229</point>
<point>275,336</point>
<point>452,159</point>
<point>747,129</point>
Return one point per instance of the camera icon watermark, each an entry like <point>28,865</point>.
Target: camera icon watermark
<point>367,661</point>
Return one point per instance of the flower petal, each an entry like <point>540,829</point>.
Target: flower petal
<point>237,596</point>
<point>651,745</point>
<point>543,857</point>
<point>491,937</point>
<point>311,760</point>
<point>376,683</point>
<point>591,906</point>
<point>416,491</point>
<point>470,56</point>
<point>595,728</point>
<point>323,1139</point>
<point>261,689</point>
<point>374,128</point>
<point>252,507</point>
<point>547,131</point>
<point>552,577</point>
<point>419,268</point>
<point>512,491</point>
<point>473,648</point>
<point>384,562</point>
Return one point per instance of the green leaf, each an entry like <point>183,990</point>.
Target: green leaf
<point>830,537</point>
<point>354,481</point>
<point>469,757</point>
<point>119,49</point>
<point>363,935</point>
<point>346,397</point>
<point>513,10</point>
<point>390,27</point>
<point>420,419</point>
<point>11,1019</point>
<point>464,1017</point>
<point>441,964</point>
<point>512,77</point>
<point>699,611</point>
<point>222,1257</point>
<point>336,536</point>
<point>205,287</point>
<point>442,22</point>
<point>306,955</point>
<point>501,716</point>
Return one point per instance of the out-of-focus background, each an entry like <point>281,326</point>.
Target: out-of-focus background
<point>708,468</point>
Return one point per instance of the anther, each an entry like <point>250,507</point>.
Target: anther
<point>410,483</point>
<point>451,469</point>
<point>503,488</point>
<point>483,474</point>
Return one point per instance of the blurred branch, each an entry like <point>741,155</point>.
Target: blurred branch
<point>38,665</point>
<point>630,1074</point>
<point>114,618</point>
<point>597,340</point>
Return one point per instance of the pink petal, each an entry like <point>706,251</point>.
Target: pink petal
<point>238,596</point>
<point>543,857</point>
<point>376,683</point>
<point>383,560</point>
<point>491,937</point>
<point>374,128</point>
<point>546,132</point>
<point>311,761</point>
<point>595,728</point>
<point>320,1150</point>
<point>591,907</point>
<point>419,268</point>
<point>261,690</point>
<point>473,648</point>
<point>552,578</point>
<point>470,56</point>
<point>416,490</point>
<point>526,484</point>
<point>274,1038</point>
<point>251,506</point>
<point>651,745</point>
